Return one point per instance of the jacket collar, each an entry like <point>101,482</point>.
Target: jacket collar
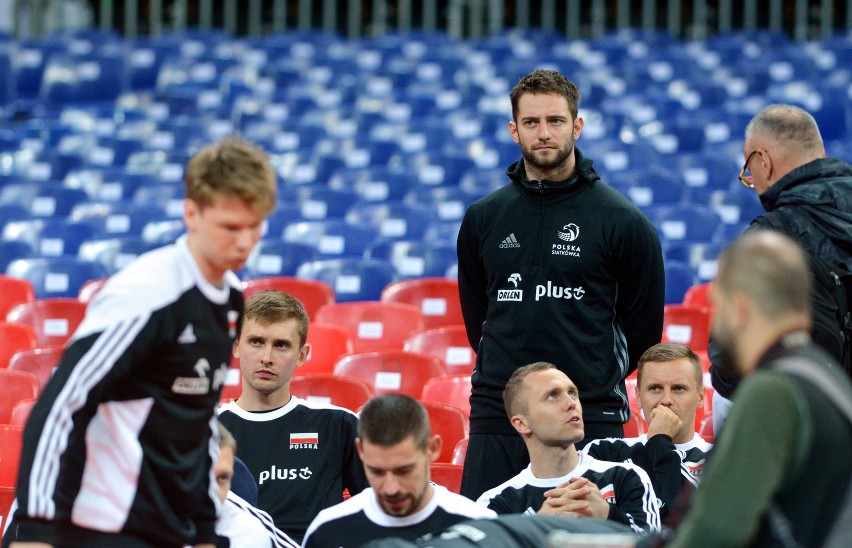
<point>582,177</point>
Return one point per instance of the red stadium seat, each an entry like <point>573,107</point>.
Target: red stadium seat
<point>15,337</point>
<point>11,440</point>
<point>328,344</point>
<point>21,412</point>
<point>311,293</point>
<point>699,296</point>
<point>233,386</point>
<point>340,390</point>
<point>89,289</point>
<point>14,291</point>
<point>447,474</point>
<point>706,429</point>
<point>41,362</point>
<point>448,343</point>
<point>635,426</point>
<point>54,319</point>
<point>449,423</point>
<point>390,371</point>
<point>437,299</point>
<point>17,386</point>
<point>374,325</point>
<point>686,325</point>
<point>451,390</point>
<point>460,451</point>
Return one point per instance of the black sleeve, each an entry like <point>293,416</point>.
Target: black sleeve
<point>659,458</point>
<point>472,281</point>
<point>354,477</point>
<point>641,287</point>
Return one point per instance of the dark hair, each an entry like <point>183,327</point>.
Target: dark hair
<point>390,419</point>
<point>668,352</point>
<point>546,81</point>
<point>273,306</point>
<point>513,399</point>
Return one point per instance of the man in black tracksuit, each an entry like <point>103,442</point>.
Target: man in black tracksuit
<point>806,196</point>
<point>557,267</point>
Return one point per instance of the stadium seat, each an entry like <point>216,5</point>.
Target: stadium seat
<point>686,325</point>
<point>333,238</point>
<point>53,319</point>
<point>40,362</point>
<point>447,474</point>
<point>311,293</point>
<point>328,344</point>
<point>56,276</point>
<point>14,291</point>
<point>341,390</point>
<point>392,371</point>
<point>114,253</point>
<point>17,386</point>
<point>278,258</point>
<point>448,422</point>
<point>690,223</point>
<point>449,343</point>
<point>353,279</point>
<point>698,296</point>
<point>11,441</point>
<point>437,298</point>
<point>319,202</point>
<point>706,428</point>
<point>373,325</point>
<point>90,289</point>
<point>679,278</point>
<point>635,426</point>
<point>414,258</point>
<point>233,386</point>
<point>450,389</point>
<point>11,250</point>
<point>15,337</point>
<point>392,220</point>
<point>460,451</point>
<point>21,412</point>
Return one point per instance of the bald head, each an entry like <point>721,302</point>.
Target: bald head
<point>772,270</point>
<point>790,134</point>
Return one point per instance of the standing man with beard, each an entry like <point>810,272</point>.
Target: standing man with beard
<point>555,266</point>
<point>777,475</point>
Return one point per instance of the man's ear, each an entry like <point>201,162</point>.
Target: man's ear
<point>434,447</point>
<point>513,131</point>
<point>235,348</point>
<point>578,127</point>
<point>304,353</point>
<point>519,422</point>
<point>359,448</point>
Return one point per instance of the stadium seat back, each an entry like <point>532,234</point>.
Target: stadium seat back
<point>374,325</point>
<point>340,390</point>
<point>449,343</point>
<point>53,319</point>
<point>392,371</point>
<point>437,298</point>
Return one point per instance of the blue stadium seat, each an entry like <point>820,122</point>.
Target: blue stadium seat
<point>414,258</point>
<point>318,201</point>
<point>374,184</point>
<point>332,237</point>
<point>450,203</point>
<point>275,257</point>
<point>120,218</point>
<point>11,250</point>
<point>686,223</point>
<point>353,279</point>
<point>116,252</point>
<point>392,220</point>
<point>679,277</point>
<point>55,276</point>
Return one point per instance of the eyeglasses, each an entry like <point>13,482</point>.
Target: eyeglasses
<point>747,180</point>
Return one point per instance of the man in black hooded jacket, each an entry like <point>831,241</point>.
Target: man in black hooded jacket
<point>809,198</point>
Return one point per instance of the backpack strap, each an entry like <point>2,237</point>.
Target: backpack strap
<point>836,390</point>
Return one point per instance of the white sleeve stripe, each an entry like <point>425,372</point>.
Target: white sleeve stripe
<point>90,370</point>
<point>279,538</point>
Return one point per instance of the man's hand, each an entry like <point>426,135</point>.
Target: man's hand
<point>576,497</point>
<point>663,421</point>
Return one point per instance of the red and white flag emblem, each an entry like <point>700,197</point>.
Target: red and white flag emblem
<point>304,437</point>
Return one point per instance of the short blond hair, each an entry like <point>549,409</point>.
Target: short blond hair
<point>232,167</point>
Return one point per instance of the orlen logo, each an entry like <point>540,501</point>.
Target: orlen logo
<point>275,473</point>
<point>511,294</point>
<point>572,232</point>
<point>556,292</point>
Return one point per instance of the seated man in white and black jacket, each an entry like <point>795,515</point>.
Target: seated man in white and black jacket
<point>544,407</point>
<point>670,389</point>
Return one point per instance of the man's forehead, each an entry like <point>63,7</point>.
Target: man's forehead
<point>547,378</point>
<point>680,370</point>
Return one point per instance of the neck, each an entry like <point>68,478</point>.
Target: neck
<point>552,461</point>
<point>251,400</point>
<point>753,346</point>
<point>214,276</point>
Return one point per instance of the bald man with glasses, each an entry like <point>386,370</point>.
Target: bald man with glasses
<point>808,197</point>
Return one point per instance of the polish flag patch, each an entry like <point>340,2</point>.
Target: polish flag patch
<point>608,493</point>
<point>304,437</point>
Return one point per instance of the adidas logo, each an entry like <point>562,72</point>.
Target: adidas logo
<point>187,336</point>
<point>509,242</point>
